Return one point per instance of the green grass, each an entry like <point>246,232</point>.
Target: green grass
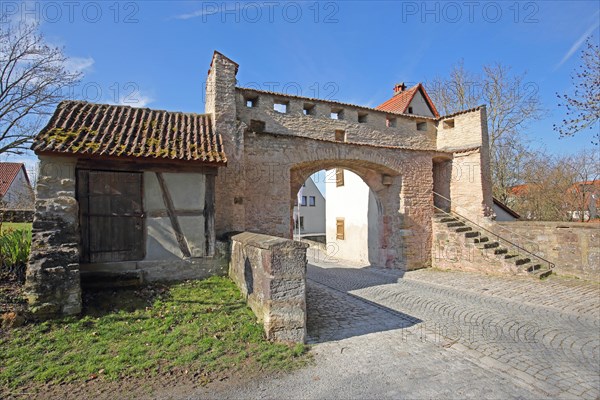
<point>6,226</point>
<point>204,327</point>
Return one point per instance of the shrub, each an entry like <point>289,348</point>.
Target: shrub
<point>14,252</point>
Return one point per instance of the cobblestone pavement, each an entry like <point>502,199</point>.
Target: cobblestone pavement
<point>431,334</point>
<point>543,333</point>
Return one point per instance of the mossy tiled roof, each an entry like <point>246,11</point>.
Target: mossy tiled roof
<point>87,129</point>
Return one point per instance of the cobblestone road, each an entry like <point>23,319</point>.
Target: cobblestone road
<point>432,334</point>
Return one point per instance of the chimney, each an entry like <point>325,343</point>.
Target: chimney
<point>399,88</point>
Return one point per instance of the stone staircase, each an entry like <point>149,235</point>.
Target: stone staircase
<point>499,252</point>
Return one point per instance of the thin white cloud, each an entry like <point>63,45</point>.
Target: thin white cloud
<point>79,64</point>
<point>578,43</point>
<point>196,14</point>
<point>134,100</point>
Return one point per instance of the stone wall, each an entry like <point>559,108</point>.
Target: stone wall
<point>319,124</point>
<point>16,215</point>
<point>271,273</point>
<point>53,281</point>
<point>573,246</point>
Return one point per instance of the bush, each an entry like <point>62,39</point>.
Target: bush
<point>14,252</point>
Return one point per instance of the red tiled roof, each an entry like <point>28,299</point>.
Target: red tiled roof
<point>8,173</point>
<point>82,128</point>
<point>400,102</point>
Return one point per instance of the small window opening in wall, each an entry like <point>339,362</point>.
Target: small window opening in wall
<point>362,118</point>
<point>251,103</point>
<point>449,124</point>
<point>339,177</point>
<point>339,229</point>
<point>301,225</point>
<point>303,201</point>
<point>390,122</point>
<point>340,135</point>
<point>337,113</point>
<point>308,109</point>
<point>421,126</point>
<point>311,201</point>
<point>410,110</point>
<point>280,107</point>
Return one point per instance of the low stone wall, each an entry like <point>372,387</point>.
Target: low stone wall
<point>573,246</point>
<point>16,215</point>
<point>271,273</point>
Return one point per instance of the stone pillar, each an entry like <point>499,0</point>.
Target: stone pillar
<point>52,284</point>
<point>271,273</point>
<point>221,104</point>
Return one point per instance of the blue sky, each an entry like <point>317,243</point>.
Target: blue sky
<point>157,53</point>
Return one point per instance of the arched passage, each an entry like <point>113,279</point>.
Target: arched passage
<point>277,165</point>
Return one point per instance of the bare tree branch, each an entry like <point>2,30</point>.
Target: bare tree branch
<point>32,82</point>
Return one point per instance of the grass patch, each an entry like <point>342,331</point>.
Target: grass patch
<point>201,327</point>
<point>15,226</point>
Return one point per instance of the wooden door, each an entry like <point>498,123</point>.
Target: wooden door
<point>111,215</point>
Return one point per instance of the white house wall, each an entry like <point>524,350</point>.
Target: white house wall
<point>357,204</point>
<point>314,216</point>
<point>187,193</point>
<point>419,105</point>
<point>20,194</point>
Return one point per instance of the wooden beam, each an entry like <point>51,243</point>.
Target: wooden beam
<point>146,165</point>
<point>183,244</point>
<point>178,213</point>
<point>209,215</point>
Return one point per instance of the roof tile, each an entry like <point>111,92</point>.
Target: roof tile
<point>84,128</point>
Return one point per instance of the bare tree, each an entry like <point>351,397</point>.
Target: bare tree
<point>33,77</point>
<point>559,188</point>
<point>512,102</point>
<point>583,106</point>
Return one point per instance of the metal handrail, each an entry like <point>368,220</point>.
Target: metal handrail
<point>524,238</point>
<point>551,265</point>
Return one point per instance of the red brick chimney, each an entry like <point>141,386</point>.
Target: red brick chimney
<point>399,88</point>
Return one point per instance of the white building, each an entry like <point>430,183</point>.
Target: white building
<point>353,218</point>
<point>16,192</point>
<point>309,212</point>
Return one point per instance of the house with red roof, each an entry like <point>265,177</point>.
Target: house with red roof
<point>414,101</point>
<point>16,192</point>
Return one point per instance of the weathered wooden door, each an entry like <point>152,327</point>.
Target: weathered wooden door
<point>111,215</point>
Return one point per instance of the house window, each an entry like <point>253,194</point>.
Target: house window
<point>280,107</point>
<point>340,135</point>
<point>311,201</point>
<point>339,177</point>
<point>303,201</point>
<point>337,113</point>
<point>362,118</point>
<point>111,216</point>
<point>410,110</point>
<point>390,122</point>
<point>421,126</point>
<point>449,124</point>
<point>308,109</point>
<point>339,229</point>
<point>251,102</point>
<point>299,224</point>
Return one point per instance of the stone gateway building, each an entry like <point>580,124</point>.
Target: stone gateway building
<point>152,195</point>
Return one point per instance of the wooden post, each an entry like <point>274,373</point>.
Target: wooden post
<point>209,214</point>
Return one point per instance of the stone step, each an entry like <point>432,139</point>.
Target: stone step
<point>501,251</point>
<point>542,273</point>
<point>472,234</point>
<point>522,261</point>
<point>111,279</point>
<point>533,268</point>
<point>463,229</point>
<point>491,245</point>
<point>509,256</point>
<point>455,224</point>
<point>448,219</point>
<point>482,239</point>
